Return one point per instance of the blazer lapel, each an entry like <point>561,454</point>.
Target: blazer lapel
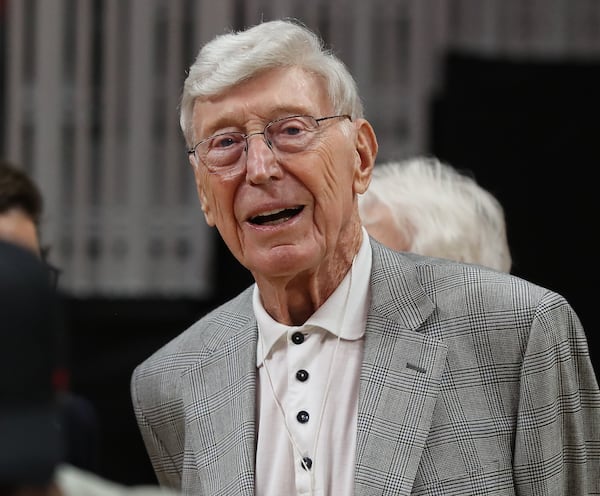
<point>221,411</point>
<point>399,384</point>
<point>400,380</point>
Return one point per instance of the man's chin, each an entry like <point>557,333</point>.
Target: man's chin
<point>278,261</point>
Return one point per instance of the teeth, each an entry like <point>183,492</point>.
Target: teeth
<point>273,217</point>
<point>271,212</point>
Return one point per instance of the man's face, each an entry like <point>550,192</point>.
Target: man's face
<point>310,195</point>
<point>18,228</point>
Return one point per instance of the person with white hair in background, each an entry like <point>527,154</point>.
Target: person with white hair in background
<point>425,206</point>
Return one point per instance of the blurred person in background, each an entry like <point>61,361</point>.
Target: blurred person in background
<point>21,210</point>
<point>32,438</point>
<point>424,206</point>
<point>348,368</point>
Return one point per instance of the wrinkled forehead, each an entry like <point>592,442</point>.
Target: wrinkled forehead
<point>268,95</point>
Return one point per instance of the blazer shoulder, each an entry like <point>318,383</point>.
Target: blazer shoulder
<point>204,336</point>
<point>455,285</point>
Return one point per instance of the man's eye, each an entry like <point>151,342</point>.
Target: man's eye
<point>225,140</point>
<point>292,131</point>
<point>291,128</point>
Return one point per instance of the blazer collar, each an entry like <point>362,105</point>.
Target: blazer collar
<point>220,402</point>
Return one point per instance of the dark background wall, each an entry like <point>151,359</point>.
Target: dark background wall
<point>108,338</point>
<point>526,131</point>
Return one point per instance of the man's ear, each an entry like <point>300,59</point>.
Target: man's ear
<point>366,148</point>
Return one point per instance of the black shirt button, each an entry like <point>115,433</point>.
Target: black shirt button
<point>307,463</point>
<point>298,337</point>
<point>302,375</point>
<point>302,417</point>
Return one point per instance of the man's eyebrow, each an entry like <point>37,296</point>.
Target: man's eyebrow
<point>282,111</point>
<point>221,122</point>
<point>232,120</point>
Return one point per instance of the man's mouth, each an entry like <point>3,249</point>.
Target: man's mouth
<point>276,216</point>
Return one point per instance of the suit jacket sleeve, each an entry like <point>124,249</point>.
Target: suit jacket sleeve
<point>559,407</point>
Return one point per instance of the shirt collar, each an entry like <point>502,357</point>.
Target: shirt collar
<point>345,311</point>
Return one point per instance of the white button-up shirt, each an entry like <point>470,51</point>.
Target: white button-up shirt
<point>329,360</point>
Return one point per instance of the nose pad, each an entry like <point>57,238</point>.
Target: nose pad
<point>265,139</point>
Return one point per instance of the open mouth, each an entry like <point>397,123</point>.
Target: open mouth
<point>276,216</point>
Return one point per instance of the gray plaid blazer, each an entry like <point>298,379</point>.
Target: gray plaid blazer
<point>473,382</point>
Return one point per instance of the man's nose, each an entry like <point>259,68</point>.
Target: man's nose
<point>261,164</point>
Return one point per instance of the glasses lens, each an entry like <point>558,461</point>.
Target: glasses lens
<point>292,134</point>
<point>221,150</point>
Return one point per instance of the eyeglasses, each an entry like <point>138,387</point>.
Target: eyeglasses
<point>221,152</point>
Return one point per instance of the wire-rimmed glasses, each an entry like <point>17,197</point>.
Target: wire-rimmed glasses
<point>222,152</point>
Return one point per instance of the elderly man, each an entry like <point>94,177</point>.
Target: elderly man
<point>348,368</point>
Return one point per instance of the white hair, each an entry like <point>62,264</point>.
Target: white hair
<point>439,212</point>
<point>232,58</point>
